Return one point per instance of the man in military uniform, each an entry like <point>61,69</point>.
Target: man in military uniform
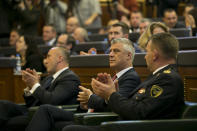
<point>159,97</point>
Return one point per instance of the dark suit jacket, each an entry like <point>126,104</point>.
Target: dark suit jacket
<point>63,91</point>
<point>161,96</point>
<point>127,83</point>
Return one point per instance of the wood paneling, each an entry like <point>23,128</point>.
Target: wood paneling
<point>6,84</point>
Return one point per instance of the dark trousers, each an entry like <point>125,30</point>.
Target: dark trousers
<point>9,110</point>
<point>46,116</point>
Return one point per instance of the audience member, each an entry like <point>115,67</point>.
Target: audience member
<point>55,15</point>
<point>60,88</point>
<point>117,30</point>
<point>14,36</point>
<point>125,19</point>
<point>154,28</point>
<point>30,56</point>
<point>71,24</point>
<point>49,35</point>
<point>87,11</point>
<point>170,18</point>
<point>144,23</point>
<point>191,21</point>
<point>68,42</point>
<point>81,35</point>
<point>135,18</point>
<point>188,7</point>
<point>120,58</point>
<point>161,96</point>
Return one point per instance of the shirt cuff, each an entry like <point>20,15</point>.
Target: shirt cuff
<point>26,91</point>
<point>35,86</point>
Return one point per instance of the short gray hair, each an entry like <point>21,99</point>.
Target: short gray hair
<point>127,44</point>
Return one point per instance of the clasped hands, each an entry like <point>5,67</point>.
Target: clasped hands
<point>30,77</point>
<point>102,86</point>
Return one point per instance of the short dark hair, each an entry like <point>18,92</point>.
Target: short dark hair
<point>167,44</point>
<point>64,52</point>
<point>168,10</point>
<point>52,26</point>
<point>18,31</point>
<point>71,41</point>
<point>125,27</point>
<point>136,11</point>
<point>31,43</point>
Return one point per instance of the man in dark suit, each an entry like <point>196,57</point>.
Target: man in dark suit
<point>121,58</point>
<point>161,96</point>
<point>60,88</point>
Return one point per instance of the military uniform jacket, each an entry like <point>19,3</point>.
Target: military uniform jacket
<point>127,83</point>
<point>161,96</point>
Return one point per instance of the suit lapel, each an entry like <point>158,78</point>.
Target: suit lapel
<point>59,77</point>
<point>122,76</point>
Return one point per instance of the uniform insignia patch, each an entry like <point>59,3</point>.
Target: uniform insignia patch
<point>167,71</point>
<point>141,91</point>
<point>156,91</point>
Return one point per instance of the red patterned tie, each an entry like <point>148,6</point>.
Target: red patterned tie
<point>114,77</point>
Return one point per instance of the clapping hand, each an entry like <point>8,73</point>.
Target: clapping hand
<point>30,77</point>
<point>84,96</point>
<point>103,85</point>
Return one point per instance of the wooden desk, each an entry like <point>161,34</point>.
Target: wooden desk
<point>11,86</point>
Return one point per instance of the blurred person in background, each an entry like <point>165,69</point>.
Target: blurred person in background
<point>71,24</point>
<point>68,42</point>
<point>49,35</point>
<point>187,8</point>
<point>144,23</point>
<point>170,18</point>
<point>55,15</point>
<point>88,12</point>
<point>81,35</point>
<point>30,55</point>
<point>191,21</point>
<point>153,28</point>
<point>14,36</point>
<point>135,18</point>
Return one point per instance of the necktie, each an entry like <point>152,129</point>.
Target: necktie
<point>48,82</point>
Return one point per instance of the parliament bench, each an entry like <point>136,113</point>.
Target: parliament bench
<point>181,32</point>
<point>110,121</point>
<point>187,43</point>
